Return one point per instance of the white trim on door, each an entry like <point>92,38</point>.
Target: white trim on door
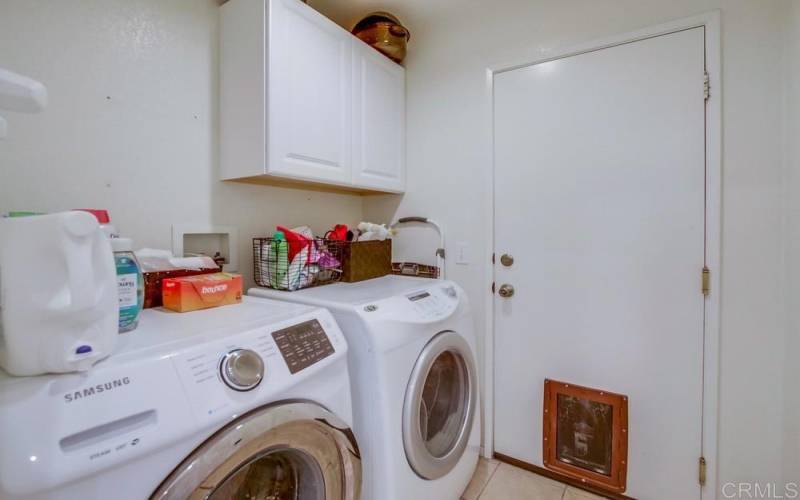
<point>711,22</point>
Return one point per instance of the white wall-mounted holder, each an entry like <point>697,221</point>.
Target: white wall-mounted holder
<point>19,93</point>
<point>207,239</point>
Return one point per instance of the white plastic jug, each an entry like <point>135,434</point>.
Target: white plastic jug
<point>58,294</point>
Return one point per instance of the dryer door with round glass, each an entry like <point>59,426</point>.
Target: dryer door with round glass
<point>440,403</point>
<point>294,451</point>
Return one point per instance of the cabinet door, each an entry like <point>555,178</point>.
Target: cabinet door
<point>378,120</point>
<point>309,121</point>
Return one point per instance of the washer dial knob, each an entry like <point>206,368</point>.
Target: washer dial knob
<point>242,369</point>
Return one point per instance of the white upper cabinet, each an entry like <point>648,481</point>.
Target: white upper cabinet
<point>302,99</point>
<point>309,94</point>
<point>379,120</point>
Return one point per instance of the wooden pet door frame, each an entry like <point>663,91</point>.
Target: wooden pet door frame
<point>558,461</point>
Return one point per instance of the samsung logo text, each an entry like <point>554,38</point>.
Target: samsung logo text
<point>97,389</point>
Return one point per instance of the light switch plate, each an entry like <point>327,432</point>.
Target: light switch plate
<point>462,252</point>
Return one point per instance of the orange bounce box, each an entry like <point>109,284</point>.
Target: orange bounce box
<point>190,293</point>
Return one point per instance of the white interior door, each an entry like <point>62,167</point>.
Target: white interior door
<point>600,199</point>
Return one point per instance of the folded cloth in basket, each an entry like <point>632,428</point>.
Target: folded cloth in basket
<point>302,269</point>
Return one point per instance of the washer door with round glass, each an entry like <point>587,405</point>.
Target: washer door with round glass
<point>439,405</point>
<point>295,451</point>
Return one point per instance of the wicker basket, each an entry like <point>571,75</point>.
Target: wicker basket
<point>415,269</point>
<point>363,260</point>
<point>318,263</point>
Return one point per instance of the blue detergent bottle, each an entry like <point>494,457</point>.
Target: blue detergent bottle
<point>130,284</point>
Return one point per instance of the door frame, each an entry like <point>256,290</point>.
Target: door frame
<point>713,165</point>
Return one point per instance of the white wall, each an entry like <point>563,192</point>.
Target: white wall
<point>452,44</point>
<point>132,123</point>
<point>792,133</point>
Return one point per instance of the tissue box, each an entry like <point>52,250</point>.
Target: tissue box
<point>153,280</point>
<point>190,293</point>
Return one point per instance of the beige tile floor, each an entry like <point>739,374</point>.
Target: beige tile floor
<point>494,480</point>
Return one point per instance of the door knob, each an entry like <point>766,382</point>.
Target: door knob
<point>507,260</point>
<point>506,290</point>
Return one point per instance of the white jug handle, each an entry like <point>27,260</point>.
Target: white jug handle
<point>82,228</point>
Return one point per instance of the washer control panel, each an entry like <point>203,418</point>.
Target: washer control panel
<point>303,344</point>
<point>219,377</point>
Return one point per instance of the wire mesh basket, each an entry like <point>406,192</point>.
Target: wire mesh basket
<point>291,266</point>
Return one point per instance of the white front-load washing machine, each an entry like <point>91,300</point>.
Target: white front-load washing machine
<point>414,378</point>
<point>244,401</point>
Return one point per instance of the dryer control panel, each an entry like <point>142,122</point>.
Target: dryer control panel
<point>426,304</point>
<point>434,302</point>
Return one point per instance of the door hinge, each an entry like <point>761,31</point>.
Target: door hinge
<point>492,286</point>
<point>492,258</point>
<point>706,86</point>
<point>701,471</point>
<point>706,281</point>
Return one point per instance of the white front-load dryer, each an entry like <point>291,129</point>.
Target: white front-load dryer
<point>244,401</point>
<point>414,379</point>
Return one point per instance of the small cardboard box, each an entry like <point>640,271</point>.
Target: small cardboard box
<point>190,293</point>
